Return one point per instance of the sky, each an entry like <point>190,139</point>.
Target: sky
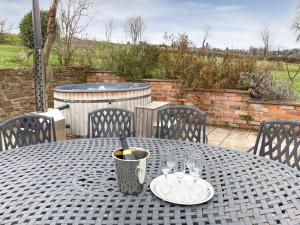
<point>234,23</point>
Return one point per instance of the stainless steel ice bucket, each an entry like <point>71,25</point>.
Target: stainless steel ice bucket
<point>131,173</point>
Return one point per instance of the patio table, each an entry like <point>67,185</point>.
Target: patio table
<point>74,182</point>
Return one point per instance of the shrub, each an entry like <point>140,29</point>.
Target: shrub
<point>26,29</point>
<point>176,61</point>
<point>197,70</point>
<point>263,87</point>
<point>137,62</point>
<point>109,56</point>
<point>21,58</point>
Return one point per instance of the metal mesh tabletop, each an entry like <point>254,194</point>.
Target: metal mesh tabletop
<point>74,182</point>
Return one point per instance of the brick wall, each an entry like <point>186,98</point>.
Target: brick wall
<point>95,76</point>
<point>231,108</point>
<point>224,108</point>
<point>17,88</point>
<point>58,76</point>
<point>164,90</point>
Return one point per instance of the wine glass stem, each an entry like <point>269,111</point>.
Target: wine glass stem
<point>194,180</point>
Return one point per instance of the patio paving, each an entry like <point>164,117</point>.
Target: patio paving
<point>235,139</point>
<point>230,138</point>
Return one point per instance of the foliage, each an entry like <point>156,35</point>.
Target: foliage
<point>282,74</point>
<point>5,27</point>
<point>21,59</point>
<point>26,29</point>
<point>175,61</point>
<point>70,28</point>
<point>87,55</point>
<point>196,70</point>
<point>262,86</point>
<point>137,62</point>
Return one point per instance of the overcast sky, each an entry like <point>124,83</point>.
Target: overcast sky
<point>234,23</point>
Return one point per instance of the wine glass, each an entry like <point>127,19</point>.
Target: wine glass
<point>197,166</point>
<point>189,160</point>
<point>180,170</point>
<point>166,167</point>
<point>167,162</point>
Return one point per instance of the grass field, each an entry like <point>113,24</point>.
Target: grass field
<point>13,54</point>
<point>282,74</point>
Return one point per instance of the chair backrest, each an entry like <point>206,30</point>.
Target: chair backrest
<point>181,123</point>
<point>26,130</point>
<point>110,122</point>
<point>279,141</point>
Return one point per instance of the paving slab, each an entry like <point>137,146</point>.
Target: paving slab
<point>219,134</point>
<point>235,139</point>
<point>209,129</point>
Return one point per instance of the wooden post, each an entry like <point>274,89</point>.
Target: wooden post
<point>146,118</point>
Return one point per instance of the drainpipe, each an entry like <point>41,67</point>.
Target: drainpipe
<point>39,66</point>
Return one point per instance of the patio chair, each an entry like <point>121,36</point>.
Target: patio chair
<point>26,130</point>
<point>110,122</point>
<point>279,141</point>
<point>181,123</point>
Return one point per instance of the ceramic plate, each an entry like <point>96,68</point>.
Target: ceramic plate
<point>189,191</point>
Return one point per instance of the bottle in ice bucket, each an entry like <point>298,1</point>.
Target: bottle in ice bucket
<point>125,153</point>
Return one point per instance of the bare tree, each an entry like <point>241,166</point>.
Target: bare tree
<point>296,28</point>
<point>206,32</point>
<point>109,24</point>
<point>135,28</point>
<point>296,23</point>
<point>265,36</point>
<point>51,30</point>
<point>5,27</point>
<point>292,76</point>
<point>70,28</point>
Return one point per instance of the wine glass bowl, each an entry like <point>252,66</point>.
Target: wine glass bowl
<point>189,160</point>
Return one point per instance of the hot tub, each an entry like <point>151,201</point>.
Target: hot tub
<point>85,98</point>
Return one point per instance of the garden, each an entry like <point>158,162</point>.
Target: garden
<point>144,132</point>
<point>176,59</point>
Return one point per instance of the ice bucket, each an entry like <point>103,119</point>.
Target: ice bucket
<point>131,173</point>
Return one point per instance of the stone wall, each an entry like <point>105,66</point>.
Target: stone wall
<point>17,88</point>
<point>16,92</point>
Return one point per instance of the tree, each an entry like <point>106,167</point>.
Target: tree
<point>51,30</point>
<point>26,29</point>
<point>205,34</point>
<point>109,28</point>
<point>70,29</point>
<point>265,36</point>
<point>296,28</point>
<point>135,28</point>
<point>296,23</point>
<point>5,27</point>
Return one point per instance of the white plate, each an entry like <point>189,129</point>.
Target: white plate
<point>188,192</point>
